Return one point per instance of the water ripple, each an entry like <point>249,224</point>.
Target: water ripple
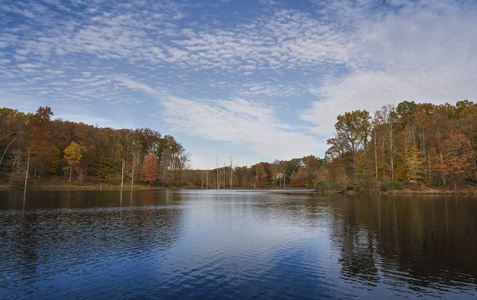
<point>233,244</point>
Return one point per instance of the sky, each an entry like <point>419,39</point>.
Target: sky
<point>247,80</point>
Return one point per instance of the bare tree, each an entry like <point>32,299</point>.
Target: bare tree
<point>26,176</point>
<point>225,176</point>
<point>207,178</point>
<point>231,173</point>
<point>4,152</point>
<point>123,163</point>
<point>132,172</point>
<point>218,173</point>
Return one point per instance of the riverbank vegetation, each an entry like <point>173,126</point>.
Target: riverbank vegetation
<point>64,152</point>
<point>414,146</point>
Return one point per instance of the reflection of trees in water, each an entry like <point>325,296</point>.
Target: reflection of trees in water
<point>78,240</point>
<point>358,245</point>
<point>420,241</point>
<point>154,221</point>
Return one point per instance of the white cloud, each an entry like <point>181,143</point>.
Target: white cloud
<point>285,40</point>
<point>55,72</point>
<point>422,53</point>
<point>362,90</point>
<point>133,84</point>
<point>243,123</point>
<point>267,89</point>
<point>27,66</point>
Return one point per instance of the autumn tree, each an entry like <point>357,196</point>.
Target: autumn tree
<point>150,170</point>
<point>243,176</point>
<point>312,165</point>
<point>352,132</point>
<point>413,164</point>
<point>54,159</point>
<point>439,129</point>
<point>172,159</point>
<point>299,178</point>
<point>73,155</point>
<point>14,144</point>
<point>383,141</point>
<point>464,114</point>
<point>40,139</point>
<point>363,170</point>
<point>355,128</point>
<point>457,157</point>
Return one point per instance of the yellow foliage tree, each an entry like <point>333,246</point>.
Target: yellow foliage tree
<point>412,167</point>
<point>73,156</point>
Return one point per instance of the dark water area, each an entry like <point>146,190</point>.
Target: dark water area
<point>235,244</point>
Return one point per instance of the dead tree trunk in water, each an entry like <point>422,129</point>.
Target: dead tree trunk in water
<point>123,163</point>
<point>26,175</point>
<point>231,173</point>
<point>218,173</point>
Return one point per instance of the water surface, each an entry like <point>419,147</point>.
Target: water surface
<point>235,244</point>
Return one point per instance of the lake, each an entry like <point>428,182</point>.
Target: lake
<point>228,244</point>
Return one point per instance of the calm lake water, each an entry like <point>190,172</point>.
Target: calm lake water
<point>235,244</point>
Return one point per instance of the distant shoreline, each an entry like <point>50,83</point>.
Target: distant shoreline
<point>86,187</point>
<point>462,192</point>
<point>469,191</point>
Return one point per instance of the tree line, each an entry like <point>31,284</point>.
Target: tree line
<point>55,150</point>
<point>411,143</point>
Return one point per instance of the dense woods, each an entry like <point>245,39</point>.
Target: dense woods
<point>410,144</point>
<point>56,150</point>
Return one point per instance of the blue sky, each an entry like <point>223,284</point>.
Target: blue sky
<point>255,80</point>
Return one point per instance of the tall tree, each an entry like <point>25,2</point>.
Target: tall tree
<point>457,157</point>
<point>40,139</point>
<point>150,170</point>
<point>464,114</point>
<point>353,129</point>
<point>414,163</point>
<point>73,155</point>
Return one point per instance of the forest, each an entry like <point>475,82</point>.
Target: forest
<point>408,145</point>
<point>56,151</point>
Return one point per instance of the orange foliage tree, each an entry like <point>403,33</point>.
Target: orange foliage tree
<point>150,170</point>
<point>456,157</point>
<point>40,136</point>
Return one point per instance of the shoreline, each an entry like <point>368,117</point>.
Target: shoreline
<point>465,191</point>
<point>428,191</point>
<point>86,187</point>
<point>434,192</point>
